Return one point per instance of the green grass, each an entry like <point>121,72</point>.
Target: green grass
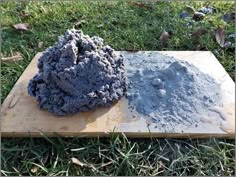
<point>124,27</point>
<point>118,155</point>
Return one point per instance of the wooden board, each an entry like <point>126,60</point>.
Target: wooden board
<point>21,115</point>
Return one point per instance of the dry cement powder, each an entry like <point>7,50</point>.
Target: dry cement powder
<point>77,74</point>
<point>169,91</point>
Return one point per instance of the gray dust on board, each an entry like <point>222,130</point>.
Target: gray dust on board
<point>168,91</point>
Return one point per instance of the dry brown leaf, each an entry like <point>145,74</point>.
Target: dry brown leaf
<point>197,16</point>
<point>164,38</point>
<point>197,34</point>
<point>21,26</point>
<point>141,5</point>
<point>220,37</point>
<point>17,57</point>
<point>77,162</point>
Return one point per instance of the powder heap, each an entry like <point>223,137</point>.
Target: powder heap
<point>170,92</point>
<point>77,74</point>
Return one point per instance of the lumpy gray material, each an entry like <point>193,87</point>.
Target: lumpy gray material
<point>170,91</point>
<point>77,74</point>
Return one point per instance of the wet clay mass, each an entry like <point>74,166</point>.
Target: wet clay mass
<point>77,74</point>
<point>170,92</point>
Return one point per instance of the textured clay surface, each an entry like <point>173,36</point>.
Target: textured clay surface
<point>77,74</point>
<point>170,92</point>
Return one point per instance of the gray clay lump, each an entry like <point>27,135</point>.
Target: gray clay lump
<point>78,74</point>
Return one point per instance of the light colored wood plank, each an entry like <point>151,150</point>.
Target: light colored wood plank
<point>22,117</point>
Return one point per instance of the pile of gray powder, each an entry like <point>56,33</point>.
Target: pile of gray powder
<point>169,91</point>
<point>77,74</point>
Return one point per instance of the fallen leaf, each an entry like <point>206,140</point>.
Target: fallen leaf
<point>77,162</point>
<point>17,57</point>
<point>229,17</point>
<point>220,37</point>
<point>21,26</point>
<point>197,34</point>
<point>141,5</point>
<point>197,16</point>
<point>190,9</point>
<point>164,38</point>
<point>40,44</point>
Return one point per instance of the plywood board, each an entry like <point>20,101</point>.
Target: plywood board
<point>21,115</point>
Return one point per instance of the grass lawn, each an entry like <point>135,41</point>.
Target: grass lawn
<point>124,26</point>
